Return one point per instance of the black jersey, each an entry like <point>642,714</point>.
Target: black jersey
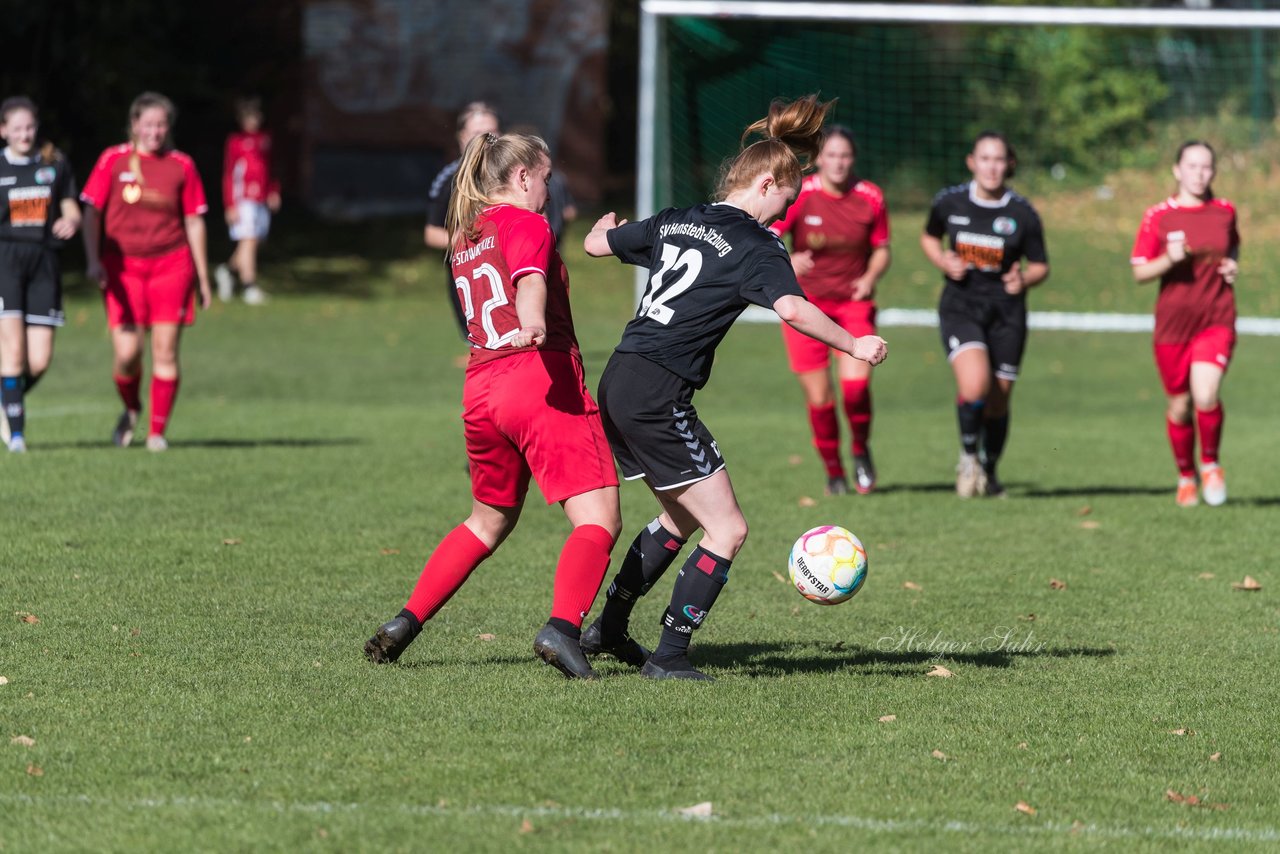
<point>706,264</point>
<point>991,236</point>
<point>31,192</point>
<point>441,193</point>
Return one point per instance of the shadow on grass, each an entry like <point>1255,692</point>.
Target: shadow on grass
<point>781,659</point>
<point>98,445</point>
<point>1088,491</point>
<point>890,488</point>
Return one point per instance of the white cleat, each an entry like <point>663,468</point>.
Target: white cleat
<point>156,444</point>
<point>970,479</point>
<point>122,437</point>
<point>226,282</point>
<point>17,445</point>
<point>1213,485</point>
<point>254,295</point>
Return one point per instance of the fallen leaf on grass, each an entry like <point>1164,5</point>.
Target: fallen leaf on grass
<point>231,542</point>
<point>1090,524</point>
<point>1027,618</point>
<point>884,719</point>
<point>702,810</point>
<point>23,741</point>
<point>1182,731</point>
<point>911,585</point>
<point>1214,757</point>
<point>1022,745</point>
<point>1250,583</point>
<point>526,826</point>
<point>134,632</point>
<point>1084,511</point>
<point>1192,800</point>
<point>487,636</point>
<point>795,459</point>
<point>1024,808</point>
<point>26,618</point>
<point>806,501</point>
<point>939,670</point>
<point>1205,576</point>
<point>938,754</point>
<point>1057,584</point>
<point>4,680</point>
<point>35,770</point>
<point>778,575</point>
<point>388,551</point>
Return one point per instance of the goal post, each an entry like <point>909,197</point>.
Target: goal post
<point>1081,90</point>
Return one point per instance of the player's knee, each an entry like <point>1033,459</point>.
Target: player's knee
<point>1179,411</point>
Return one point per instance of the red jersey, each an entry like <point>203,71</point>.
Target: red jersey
<point>1193,294</point>
<point>841,230</point>
<point>246,169</point>
<point>512,242</point>
<point>144,199</point>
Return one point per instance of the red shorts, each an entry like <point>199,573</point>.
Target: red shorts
<point>1213,345</point>
<point>531,414</point>
<point>147,291</point>
<point>807,354</point>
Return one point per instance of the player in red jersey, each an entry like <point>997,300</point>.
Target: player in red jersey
<point>38,211</point>
<point>839,226</point>
<point>144,237</point>
<point>250,195</point>
<point>526,408</point>
<point>1190,242</point>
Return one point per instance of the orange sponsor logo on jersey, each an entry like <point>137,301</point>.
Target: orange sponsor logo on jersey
<point>29,206</point>
<point>980,250</point>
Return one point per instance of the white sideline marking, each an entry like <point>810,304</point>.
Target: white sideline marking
<point>1264,834</point>
<point>1069,321</point>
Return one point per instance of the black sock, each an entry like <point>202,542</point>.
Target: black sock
<point>969,415</point>
<point>652,551</point>
<point>414,622</point>
<point>701,579</point>
<point>11,401</point>
<point>565,627</point>
<point>31,379</point>
<point>994,434</point>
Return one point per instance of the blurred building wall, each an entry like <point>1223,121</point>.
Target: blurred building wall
<point>383,81</point>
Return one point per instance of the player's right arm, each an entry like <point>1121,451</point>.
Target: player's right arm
<point>807,319</point>
<point>1148,261</point>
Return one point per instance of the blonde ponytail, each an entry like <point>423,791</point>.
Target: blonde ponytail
<point>487,163</point>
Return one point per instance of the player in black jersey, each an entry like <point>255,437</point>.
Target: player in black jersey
<point>990,231</point>
<point>38,212</point>
<point>706,264</point>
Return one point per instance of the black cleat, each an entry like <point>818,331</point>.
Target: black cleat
<point>837,485</point>
<point>563,653</point>
<point>674,668</point>
<point>626,649</point>
<point>994,488</point>
<point>864,474</point>
<point>390,640</point>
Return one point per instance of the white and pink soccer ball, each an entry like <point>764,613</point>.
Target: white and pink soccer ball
<point>828,565</point>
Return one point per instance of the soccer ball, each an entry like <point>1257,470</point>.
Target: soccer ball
<point>828,565</point>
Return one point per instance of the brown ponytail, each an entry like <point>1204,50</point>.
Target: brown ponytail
<point>487,163</point>
<point>792,134</point>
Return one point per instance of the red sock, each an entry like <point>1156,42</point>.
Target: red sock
<point>1210,424</point>
<point>458,554</point>
<point>857,408</point>
<point>826,437</point>
<point>580,572</point>
<point>1182,438</point>
<point>130,391</point>
<point>163,393</point>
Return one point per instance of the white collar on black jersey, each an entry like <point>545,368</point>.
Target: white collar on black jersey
<point>986,203</point>
<point>15,160</point>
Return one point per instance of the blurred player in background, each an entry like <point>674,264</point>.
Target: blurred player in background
<point>839,227</point>
<point>706,264</point>
<point>982,315</point>
<point>1190,243</point>
<point>145,240</point>
<point>474,119</point>
<point>526,408</point>
<point>38,214</point>
<point>250,195</point>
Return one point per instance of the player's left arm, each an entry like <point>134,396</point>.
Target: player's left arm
<point>864,287</point>
<point>68,221</point>
<point>197,239</point>
<point>1229,269</point>
<point>596,242</point>
<point>531,309</point>
<point>1023,276</point>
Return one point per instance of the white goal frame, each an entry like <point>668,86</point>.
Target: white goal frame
<point>647,106</point>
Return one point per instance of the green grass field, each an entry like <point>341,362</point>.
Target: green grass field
<point>195,681</point>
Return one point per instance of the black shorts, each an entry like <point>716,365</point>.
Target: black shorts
<point>652,426</point>
<point>997,323</point>
<point>30,283</point>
